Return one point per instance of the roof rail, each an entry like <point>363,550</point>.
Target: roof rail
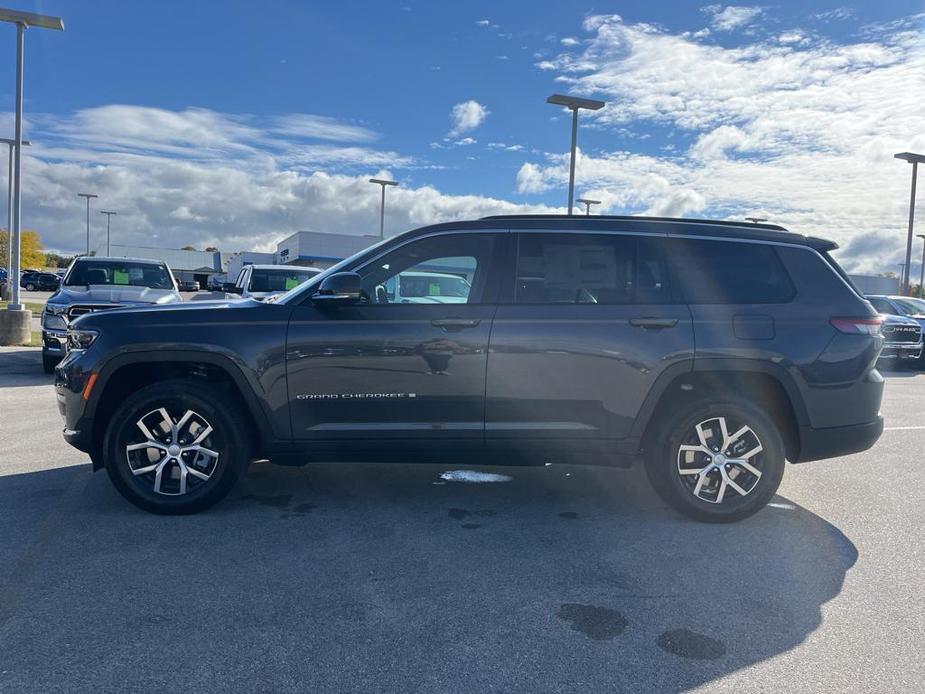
<point>635,218</point>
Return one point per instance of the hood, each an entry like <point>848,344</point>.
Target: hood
<point>114,294</point>
<point>889,319</point>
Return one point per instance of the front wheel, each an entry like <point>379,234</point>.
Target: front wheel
<point>717,461</point>
<point>30,287</point>
<point>175,447</point>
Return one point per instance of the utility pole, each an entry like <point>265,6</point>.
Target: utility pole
<point>574,104</point>
<point>109,215</point>
<point>382,182</point>
<point>88,196</point>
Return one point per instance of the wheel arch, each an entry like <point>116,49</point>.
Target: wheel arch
<point>682,383</point>
<point>126,373</point>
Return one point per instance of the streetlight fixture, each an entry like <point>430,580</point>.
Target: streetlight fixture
<point>22,20</point>
<point>915,160</point>
<point>587,202</point>
<point>574,103</point>
<point>109,215</point>
<point>9,203</point>
<point>382,182</point>
<point>922,276</point>
<point>88,196</point>
<point>756,220</point>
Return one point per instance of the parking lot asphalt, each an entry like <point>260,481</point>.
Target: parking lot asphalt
<point>388,578</point>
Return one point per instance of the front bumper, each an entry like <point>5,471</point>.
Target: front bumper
<point>54,342</point>
<point>900,350</point>
<point>831,442</point>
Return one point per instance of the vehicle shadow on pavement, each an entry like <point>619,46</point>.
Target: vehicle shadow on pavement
<point>22,366</point>
<point>388,578</point>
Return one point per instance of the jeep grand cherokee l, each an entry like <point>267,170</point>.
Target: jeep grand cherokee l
<point>714,351</point>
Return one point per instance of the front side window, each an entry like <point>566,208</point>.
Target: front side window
<point>119,273</point>
<point>445,269</point>
<point>589,269</point>
<point>729,272</point>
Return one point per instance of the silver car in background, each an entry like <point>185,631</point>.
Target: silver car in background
<point>96,283</point>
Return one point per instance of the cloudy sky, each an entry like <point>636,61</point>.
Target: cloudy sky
<point>233,124</point>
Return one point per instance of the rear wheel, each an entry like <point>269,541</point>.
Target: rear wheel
<point>176,447</point>
<point>717,461</point>
<point>30,287</point>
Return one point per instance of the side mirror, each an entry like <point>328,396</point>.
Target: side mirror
<point>230,288</point>
<point>339,289</point>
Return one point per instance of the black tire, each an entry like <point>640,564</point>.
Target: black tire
<point>228,439</point>
<point>30,287</point>
<point>49,363</point>
<point>664,460</point>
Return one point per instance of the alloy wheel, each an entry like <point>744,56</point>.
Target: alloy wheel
<point>174,455</point>
<point>720,459</point>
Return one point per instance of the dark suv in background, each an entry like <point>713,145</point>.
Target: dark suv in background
<point>713,350</point>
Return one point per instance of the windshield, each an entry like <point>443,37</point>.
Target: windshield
<point>281,280</point>
<point>119,273</point>
<point>414,285</point>
<point>910,306</point>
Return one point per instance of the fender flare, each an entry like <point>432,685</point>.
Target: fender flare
<point>719,365</point>
<point>230,365</point>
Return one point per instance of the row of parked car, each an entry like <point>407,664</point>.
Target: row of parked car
<point>98,283</point>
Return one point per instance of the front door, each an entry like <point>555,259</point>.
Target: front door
<point>591,325</point>
<point>407,363</point>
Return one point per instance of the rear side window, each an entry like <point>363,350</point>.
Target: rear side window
<point>589,269</point>
<point>727,272</point>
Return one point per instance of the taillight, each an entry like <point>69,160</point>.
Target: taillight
<point>858,326</point>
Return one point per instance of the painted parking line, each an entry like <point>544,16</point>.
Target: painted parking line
<point>909,428</point>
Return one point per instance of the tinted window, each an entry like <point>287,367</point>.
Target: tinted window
<point>727,272</point>
<point>445,269</point>
<point>589,269</point>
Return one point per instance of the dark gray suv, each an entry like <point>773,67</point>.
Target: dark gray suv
<point>714,351</point>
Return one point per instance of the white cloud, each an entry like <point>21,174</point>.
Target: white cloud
<point>805,131</point>
<point>732,16</point>
<point>466,116</point>
<point>569,41</point>
<point>505,147</point>
<point>205,178</point>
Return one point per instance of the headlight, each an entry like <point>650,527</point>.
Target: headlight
<point>80,339</point>
<point>53,317</point>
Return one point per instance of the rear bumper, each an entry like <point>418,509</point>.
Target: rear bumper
<point>816,444</point>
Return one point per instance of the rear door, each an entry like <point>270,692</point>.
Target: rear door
<point>588,326</point>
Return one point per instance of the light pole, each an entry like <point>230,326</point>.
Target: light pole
<point>382,182</point>
<point>922,275</point>
<point>9,205</point>
<point>88,196</point>
<point>574,103</point>
<point>913,159</point>
<point>109,215</point>
<point>587,203</point>
<point>22,20</point>
<point>756,220</point>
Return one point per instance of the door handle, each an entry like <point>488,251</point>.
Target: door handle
<point>455,323</point>
<point>653,323</point>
